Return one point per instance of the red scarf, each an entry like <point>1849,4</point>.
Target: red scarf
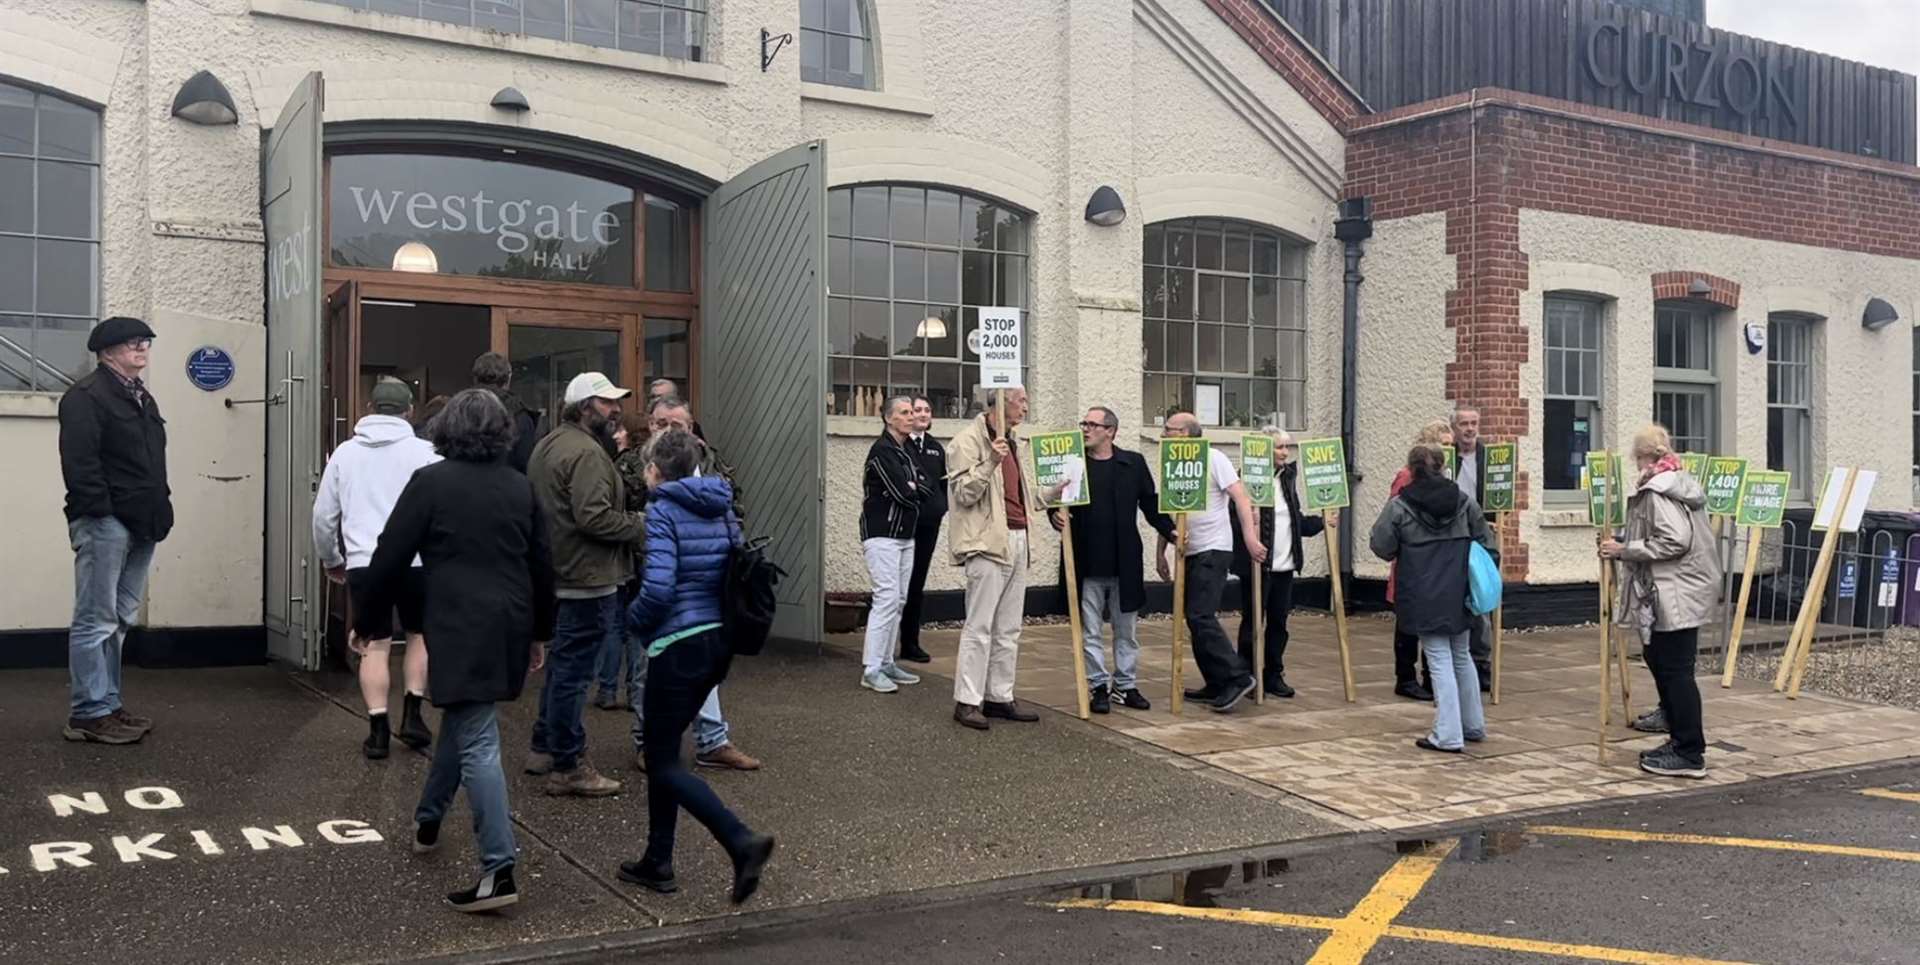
<point>1667,463</point>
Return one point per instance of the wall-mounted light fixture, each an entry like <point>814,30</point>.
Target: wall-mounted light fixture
<point>204,100</point>
<point>416,257</point>
<point>1878,315</point>
<point>1699,288</point>
<point>510,99</point>
<point>1105,207</point>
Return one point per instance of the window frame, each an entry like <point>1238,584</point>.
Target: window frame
<point>46,378</point>
<point>1697,381</point>
<point>475,19</point>
<point>1292,260</point>
<point>868,45</point>
<point>1779,324</point>
<point>1593,310</point>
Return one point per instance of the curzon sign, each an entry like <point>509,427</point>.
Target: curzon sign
<point>1693,71</point>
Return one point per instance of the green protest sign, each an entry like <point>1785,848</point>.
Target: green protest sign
<point>1256,468</point>
<point>1060,459</point>
<point>1323,474</point>
<point>1763,498</point>
<point>1499,484</point>
<point>1185,475</point>
<point>1724,476</point>
<point>1604,504</point>
<point>1453,461</point>
<point>1695,463</point>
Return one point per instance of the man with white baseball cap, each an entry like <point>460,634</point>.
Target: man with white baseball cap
<point>593,539</point>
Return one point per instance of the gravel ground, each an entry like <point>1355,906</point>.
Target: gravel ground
<point>1886,671</point>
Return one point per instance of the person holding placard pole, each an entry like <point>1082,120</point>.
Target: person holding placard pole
<point>1669,587</point>
<point>1283,532</point>
<point>1209,554</point>
<point>1426,530</point>
<point>1107,558</point>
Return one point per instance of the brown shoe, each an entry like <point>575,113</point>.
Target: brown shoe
<point>639,762</point>
<point>1011,710</point>
<point>135,721</point>
<point>582,781</point>
<point>727,757</point>
<point>102,730</point>
<point>969,716</point>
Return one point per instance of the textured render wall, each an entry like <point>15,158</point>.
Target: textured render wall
<point>1862,379</point>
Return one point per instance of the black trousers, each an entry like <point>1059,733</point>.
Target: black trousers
<point>1206,584</point>
<point>1670,656</point>
<point>1406,657</point>
<point>1278,590</point>
<point>923,540</point>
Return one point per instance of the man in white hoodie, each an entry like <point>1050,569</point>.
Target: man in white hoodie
<point>362,483</point>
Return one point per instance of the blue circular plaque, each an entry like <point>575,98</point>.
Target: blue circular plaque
<point>210,368</point>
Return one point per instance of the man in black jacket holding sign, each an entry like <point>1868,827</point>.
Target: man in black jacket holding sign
<point>1284,533</point>
<point>1107,557</point>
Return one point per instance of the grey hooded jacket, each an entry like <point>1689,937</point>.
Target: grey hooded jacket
<point>1671,576</point>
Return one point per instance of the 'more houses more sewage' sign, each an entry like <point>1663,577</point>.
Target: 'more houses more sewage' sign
<point>80,850</point>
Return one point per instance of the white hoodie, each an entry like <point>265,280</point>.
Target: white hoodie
<point>362,483</point>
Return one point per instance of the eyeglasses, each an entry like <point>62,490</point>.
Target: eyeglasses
<point>1096,425</point>
<point>140,344</point>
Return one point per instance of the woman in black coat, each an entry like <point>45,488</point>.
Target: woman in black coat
<point>480,535</point>
<point>1283,562</point>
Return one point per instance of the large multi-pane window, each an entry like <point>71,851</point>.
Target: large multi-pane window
<point>1685,389</point>
<point>908,270</point>
<point>1790,398</point>
<point>836,43</point>
<point>1225,334</point>
<point>670,28</point>
<point>1573,381</point>
<point>49,239</point>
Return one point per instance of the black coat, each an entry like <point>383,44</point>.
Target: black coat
<point>892,491</point>
<point>113,455</point>
<point>1133,486</point>
<point>1304,526</point>
<point>489,568</point>
<point>932,458</point>
<point>1425,531</point>
<point>526,427</point>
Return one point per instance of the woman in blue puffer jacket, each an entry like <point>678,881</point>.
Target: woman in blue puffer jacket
<point>691,531</point>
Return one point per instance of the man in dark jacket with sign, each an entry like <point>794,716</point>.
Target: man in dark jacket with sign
<point>113,456</point>
<point>1283,561</point>
<point>1106,557</point>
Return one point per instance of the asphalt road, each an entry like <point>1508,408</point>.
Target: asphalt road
<point>1815,871</point>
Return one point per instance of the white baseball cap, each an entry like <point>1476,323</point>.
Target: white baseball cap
<point>593,385</point>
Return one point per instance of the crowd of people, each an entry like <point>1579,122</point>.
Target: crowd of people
<point>601,545</point>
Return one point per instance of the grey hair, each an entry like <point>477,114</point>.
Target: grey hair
<point>886,411</point>
<point>665,402</point>
<point>473,427</point>
<point>1460,410</point>
<point>1107,416</point>
<point>656,383</point>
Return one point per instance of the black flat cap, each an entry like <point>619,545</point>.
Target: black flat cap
<point>116,330</point>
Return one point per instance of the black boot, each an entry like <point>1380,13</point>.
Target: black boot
<point>378,733</point>
<point>413,726</point>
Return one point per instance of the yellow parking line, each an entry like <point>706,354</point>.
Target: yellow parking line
<point>1763,844</point>
<point>1598,953</point>
<point>1368,921</point>
<point>1893,795</point>
<point>1238,916</point>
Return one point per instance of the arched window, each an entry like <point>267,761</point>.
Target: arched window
<point>908,270</point>
<point>49,239</point>
<point>1225,335</point>
<point>836,43</point>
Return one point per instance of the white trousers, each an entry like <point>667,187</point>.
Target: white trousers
<point>890,563</point>
<point>990,642</point>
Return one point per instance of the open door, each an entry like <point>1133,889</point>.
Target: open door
<point>764,365</point>
<point>290,194</point>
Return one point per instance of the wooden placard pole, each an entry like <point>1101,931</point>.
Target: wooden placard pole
<point>1620,653</point>
<point>1073,612</point>
<point>1339,600</point>
<point>1500,540</point>
<point>1179,609</point>
<point>1740,609</point>
<point>1259,633</point>
<point>1794,659</point>
<point>1606,645</point>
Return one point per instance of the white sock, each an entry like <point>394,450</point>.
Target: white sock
<point>376,712</point>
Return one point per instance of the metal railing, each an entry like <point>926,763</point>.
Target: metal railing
<point>27,364</point>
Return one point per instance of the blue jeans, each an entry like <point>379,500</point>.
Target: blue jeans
<point>617,646</point>
<point>579,631</point>
<point>683,676</point>
<point>109,578</point>
<point>469,753</point>
<point>710,730</point>
<point>1096,596</point>
<point>1456,690</point>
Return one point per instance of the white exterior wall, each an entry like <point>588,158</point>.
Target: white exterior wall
<point>1033,103</point>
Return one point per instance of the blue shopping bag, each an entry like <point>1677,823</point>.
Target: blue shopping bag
<point>1483,580</point>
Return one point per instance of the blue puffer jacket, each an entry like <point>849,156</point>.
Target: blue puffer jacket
<point>690,529</point>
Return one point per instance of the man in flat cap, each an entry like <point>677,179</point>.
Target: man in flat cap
<point>113,456</point>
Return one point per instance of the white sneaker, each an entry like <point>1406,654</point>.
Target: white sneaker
<point>899,676</point>
<point>880,682</point>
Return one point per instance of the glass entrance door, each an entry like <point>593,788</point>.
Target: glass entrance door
<point>548,348</point>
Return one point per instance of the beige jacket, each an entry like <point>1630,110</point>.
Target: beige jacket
<point>977,495</point>
<point>1671,576</point>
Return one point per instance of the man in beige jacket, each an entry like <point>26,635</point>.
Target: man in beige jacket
<point>991,500</point>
